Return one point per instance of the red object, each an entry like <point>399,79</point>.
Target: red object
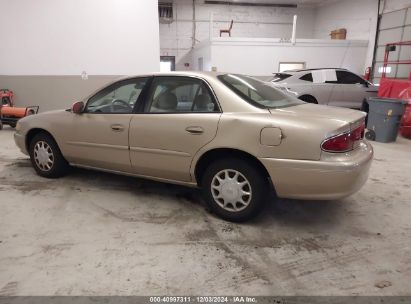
<point>405,129</point>
<point>389,47</point>
<point>344,142</point>
<point>6,98</point>
<point>228,31</point>
<point>397,88</point>
<point>9,114</point>
<point>392,88</point>
<point>77,107</point>
<point>367,75</point>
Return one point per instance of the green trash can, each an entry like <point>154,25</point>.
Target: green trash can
<point>384,117</point>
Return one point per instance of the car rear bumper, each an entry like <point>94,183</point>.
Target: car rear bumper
<point>334,176</point>
<point>19,139</point>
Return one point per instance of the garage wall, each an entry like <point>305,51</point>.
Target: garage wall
<point>395,5</point>
<point>201,53</point>
<point>359,17</point>
<point>395,26</point>
<point>176,38</point>
<point>50,43</point>
<point>261,57</point>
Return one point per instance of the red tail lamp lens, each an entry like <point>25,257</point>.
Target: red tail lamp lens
<point>358,133</point>
<point>345,141</point>
<point>340,143</point>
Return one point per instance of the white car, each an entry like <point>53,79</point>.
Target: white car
<point>330,86</point>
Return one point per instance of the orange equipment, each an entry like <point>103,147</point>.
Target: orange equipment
<point>9,114</point>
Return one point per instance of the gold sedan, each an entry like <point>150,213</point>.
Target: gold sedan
<point>233,136</point>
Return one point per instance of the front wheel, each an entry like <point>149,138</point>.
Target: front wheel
<point>46,157</point>
<point>234,189</point>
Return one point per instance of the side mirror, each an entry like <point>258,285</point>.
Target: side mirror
<point>365,84</point>
<point>77,107</point>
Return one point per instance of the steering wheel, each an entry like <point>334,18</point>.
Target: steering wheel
<point>119,101</point>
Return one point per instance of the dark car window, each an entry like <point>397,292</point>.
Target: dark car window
<point>307,77</point>
<point>119,97</point>
<point>345,77</point>
<point>257,92</point>
<point>175,94</point>
<point>280,76</point>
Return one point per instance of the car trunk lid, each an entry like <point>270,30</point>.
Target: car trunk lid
<point>320,123</point>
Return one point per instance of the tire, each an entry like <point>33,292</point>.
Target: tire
<point>46,165</point>
<point>255,183</point>
<point>370,135</point>
<point>12,124</point>
<point>308,98</point>
<point>1,125</point>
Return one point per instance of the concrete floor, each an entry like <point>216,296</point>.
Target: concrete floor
<point>92,233</point>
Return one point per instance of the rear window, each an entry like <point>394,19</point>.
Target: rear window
<point>259,93</point>
<point>307,77</point>
<point>280,76</point>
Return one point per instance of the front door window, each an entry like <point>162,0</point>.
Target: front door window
<point>120,97</point>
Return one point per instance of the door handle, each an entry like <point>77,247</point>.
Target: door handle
<point>195,130</point>
<point>117,128</point>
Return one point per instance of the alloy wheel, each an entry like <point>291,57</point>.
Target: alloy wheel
<point>231,190</point>
<point>43,156</point>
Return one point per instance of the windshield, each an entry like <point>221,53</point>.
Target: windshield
<point>259,93</point>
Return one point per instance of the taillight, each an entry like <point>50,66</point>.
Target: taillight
<point>358,133</point>
<point>345,141</point>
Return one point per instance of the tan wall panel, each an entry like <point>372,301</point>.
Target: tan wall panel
<point>51,92</point>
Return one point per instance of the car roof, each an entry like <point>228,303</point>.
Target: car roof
<point>308,70</point>
<point>202,74</point>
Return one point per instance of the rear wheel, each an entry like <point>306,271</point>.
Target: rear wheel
<point>46,157</point>
<point>234,189</point>
<point>12,124</point>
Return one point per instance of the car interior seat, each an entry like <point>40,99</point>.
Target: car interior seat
<point>166,103</point>
<point>202,103</point>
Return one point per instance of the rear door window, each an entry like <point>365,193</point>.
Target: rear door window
<point>280,77</point>
<point>258,93</point>
<point>345,77</point>
<point>307,77</point>
<point>176,94</point>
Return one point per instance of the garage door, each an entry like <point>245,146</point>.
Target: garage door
<point>394,26</point>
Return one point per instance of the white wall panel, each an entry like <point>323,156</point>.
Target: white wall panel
<point>358,17</point>
<point>392,19</point>
<point>408,18</point>
<point>60,37</point>
<point>394,5</point>
<point>387,36</point>
<point>261,57</point>
<point>176,39</point>
<point>407,33</point>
